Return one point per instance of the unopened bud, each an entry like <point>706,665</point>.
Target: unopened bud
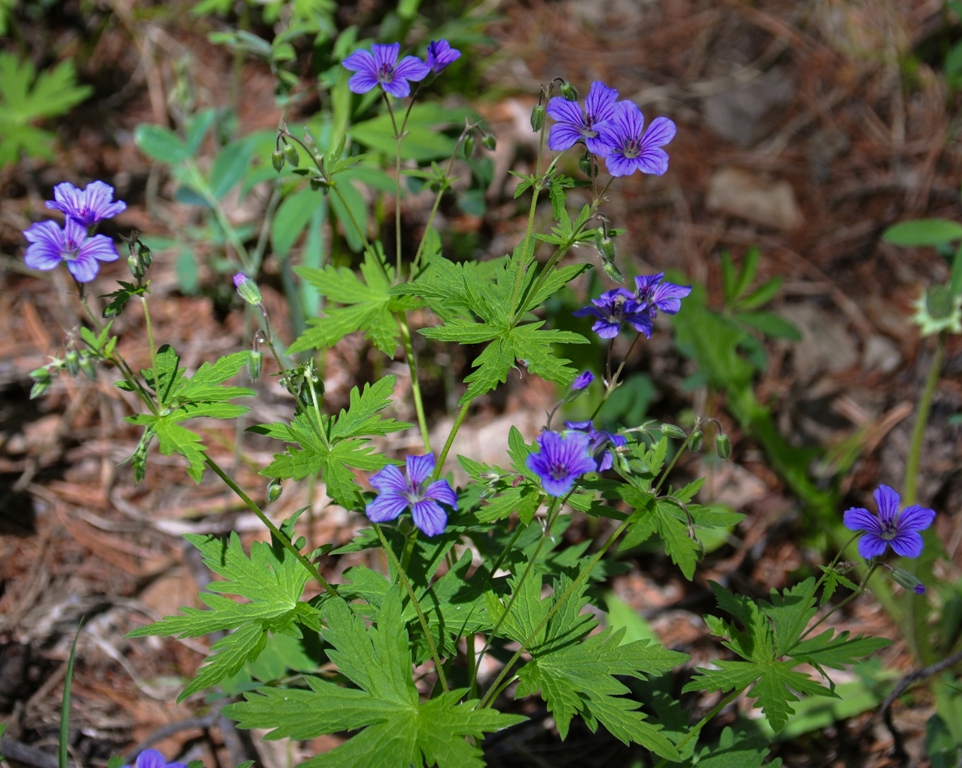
<point>133,264</point>
<point>248,289</point>
<point>72,359</point>
<point>144,254</point>
<point>254,364</point>
<point>290,152</point>
<point>583,381</point>
<point>612,271</point>
<point>604,245</point>
<point>40,374</point>
<point>908,580</point>
<point>723,446</point>
<point>695,441</point>
<point>274,490</point>
<point>568,91</point>
<point>467,146</point>
<point>670,430</point>
<point>277,160</point>
<point>309,138</point>
<point>489,142</point>
<point>87,366</point>
<point>588,165</point>
<point>39,389</point>
<point>537,117</point>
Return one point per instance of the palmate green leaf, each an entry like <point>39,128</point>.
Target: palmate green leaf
<point>183,397</point>
<point>737,751</point>
<point>668,521</point>
<point>790,611</point>
<point>368,306</point>
<point>271,580</point>
<point>836,651</point>
<point>334,447</point>
<point>396,730</point>
<point>26,97</point>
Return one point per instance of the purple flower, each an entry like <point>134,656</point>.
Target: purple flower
<point>655,294</point>
<point>399,493</point>
<point>631,147</point>
<point>89,205</point>
<point>615,307</point>
<point>572,125</point>
<point>598,439</point>
<point>900,529</point>
<point>382,68</point>
<point>561,460</point>
<point>49,245</point>
<point>583,381</point>
<point>151,758</point>
<point>441,54</point>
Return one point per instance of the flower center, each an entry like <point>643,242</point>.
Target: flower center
<point>386,73</point>
<point>889,531</point>
<point>70,253</point>
<point>559,471</point>
<point>631,148</point>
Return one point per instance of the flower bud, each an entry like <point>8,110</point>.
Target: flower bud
<point>568,91</point>
<point>588,165</point>
<point>309,138</point>
<point>467,147</point>
<point>612,271</point>
<point>72,359</point>
<point>277,160</point>
<point>39,389</point>
<point>489,142</point>
<point>583,381</point>
<point>290,152</point>
<point>670,430</point>
<point>40,374</point>
<point>133,264</point>
<point>248,289</point>
<point>695,440</point>
<point>87,366</point>
<point>604,245</point>
<point>254,364</point>
<point>274,489</point>
<point>908,580</point>
<point>537,117</point>
<point>723,446</point>
<point>144,254</point>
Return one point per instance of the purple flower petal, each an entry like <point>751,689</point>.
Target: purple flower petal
<point>560,461</point>
<point>888,503</point>
<point>89,205</point>
<point>362,82</point>
<point>361,61</point>
<point>660,132</point>
<point>583,381</point>
<point>860,519</point>
<point>439,490</point>
<point>441,55</point>
<point>399,89</point>
<point>429,517</point>
<point>565,111</point>
<point>47,245</point>
<point>411,68</point>
<point>619,165</point>
<point>606,329</point>
<point>99,247</point>
<point>83,267</point>
<point>653,161</point>
<point>385,56</point>
<point>151,758</point>
<point>563,136</point>
<point>419,468</point>
<point>870,545</point>
<point>387,506</point>
<point>915,518</point>
<point>600,103</point>
<point>907,544</point>
<point>390,479</point>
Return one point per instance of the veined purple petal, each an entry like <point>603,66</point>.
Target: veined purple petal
<point>907,543</point>
<point>439,490</point>
<point>385,56</point>
<point>619,165</point>
<point>667,297</point>
<point>563,136</point>
<point>47,245</point>
<point>151,758</point>
<point>441,55</point>
<point>585,311</point>
<point>75,232</point>
<point>429,517</point>
<point>419,468</point>
<point>99,247</point>
<point>600,103</point>
<point>870,545</point>
<point>362,82</point>
<point>399,88</point>
<point>660,132</point>
<point>628,120</point>
<point>411,68</point>
<point>583,381</point>
<point>915,518</point>
<point>361,61</point>
<point>387,506</point>
<point>100,199</point>
<point>653,161</point>
<point>83,267</point>
<point>565,111</point>
<point>888,503</point>
<point>599,145</point>
<point>860,519</point>
<point>390,479</point>
<point>607,329</point>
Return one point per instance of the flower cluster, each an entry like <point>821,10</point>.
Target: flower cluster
<point>399,493</point>
<point>50,244</point>
<point>612,129</point>
<point>381,67</point>
<point>638,309</point>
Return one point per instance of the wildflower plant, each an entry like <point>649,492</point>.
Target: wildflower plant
<point>473,574</point>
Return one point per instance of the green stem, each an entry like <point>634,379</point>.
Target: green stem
<point>397,188</point>
<point>575,585</point>
<point>458,421</point>
<point>693,732</point>
<point>671,466</point>
<point>150,333</point>
<point>842,604</point>
<point>921,419</point>
<point>402,576</point>
<point>415,385</point>
<point>275,531</point>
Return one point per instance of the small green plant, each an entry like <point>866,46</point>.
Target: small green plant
<point>26,98</point>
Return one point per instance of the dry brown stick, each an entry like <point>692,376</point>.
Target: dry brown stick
<point>22,753</point>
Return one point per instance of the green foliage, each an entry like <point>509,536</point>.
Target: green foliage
<point>271,581</point>
<point>922,232</point>
<point>179,397</point>
<point>334,445</point>
<point>771,646</point>
<point>26,97</point>
<point>396,730</point>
